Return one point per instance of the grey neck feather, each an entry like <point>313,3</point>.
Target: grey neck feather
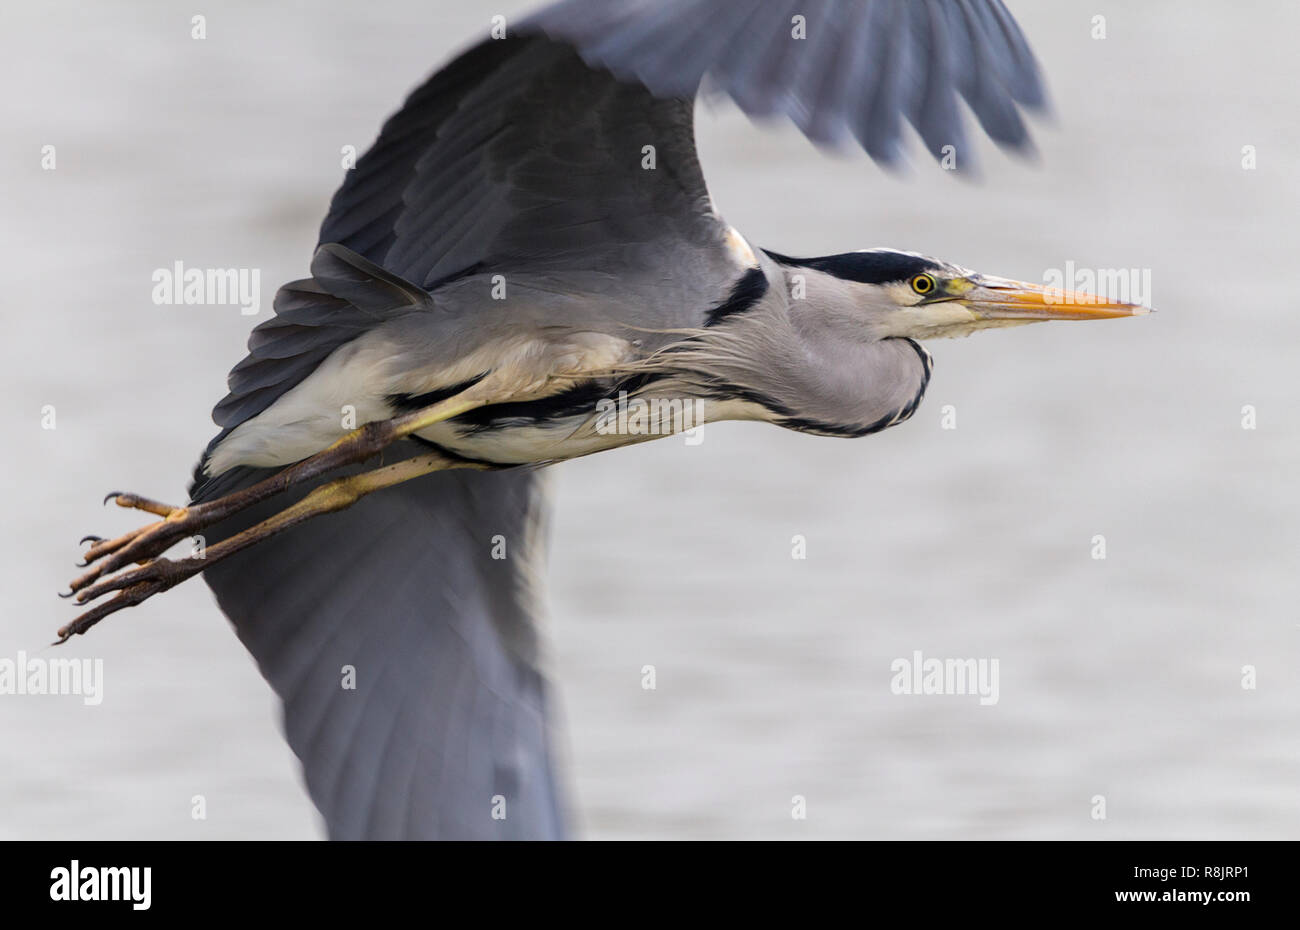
<point>814,362</point>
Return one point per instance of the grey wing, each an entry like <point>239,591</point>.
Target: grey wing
<point>519,158</point>
<point>407,656</point>
<point>540,168</point>
<point>841,69</point>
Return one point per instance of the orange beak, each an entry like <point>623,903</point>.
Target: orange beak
<point>994,298</point>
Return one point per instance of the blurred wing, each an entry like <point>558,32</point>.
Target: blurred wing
<point>840,69</point>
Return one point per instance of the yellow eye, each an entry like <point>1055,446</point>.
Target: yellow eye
<point>923,284</point>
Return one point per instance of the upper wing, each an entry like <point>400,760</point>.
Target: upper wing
<point>840,69</point>
<point>539,164</point>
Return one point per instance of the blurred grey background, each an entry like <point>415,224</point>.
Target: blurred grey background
<point>1119,677</point>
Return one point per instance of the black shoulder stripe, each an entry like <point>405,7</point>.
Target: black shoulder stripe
<point>408,402</point>
<point>749,290</point>
<point>578,400</point>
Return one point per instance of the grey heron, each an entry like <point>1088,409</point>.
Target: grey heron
<point>530,237</point>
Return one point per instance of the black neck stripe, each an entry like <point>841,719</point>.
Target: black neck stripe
<point>748,291</point>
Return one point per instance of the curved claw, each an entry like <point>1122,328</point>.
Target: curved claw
<point>110,495</point>
<point>148,543</point>
<point>65,596</point>
<point>86,539</point>
<point>128,598</point>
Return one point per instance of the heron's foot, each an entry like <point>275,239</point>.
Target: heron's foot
<point>157,574</point>
<point>106,556</point>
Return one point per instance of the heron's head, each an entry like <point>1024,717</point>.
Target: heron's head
<point>905,295</point>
